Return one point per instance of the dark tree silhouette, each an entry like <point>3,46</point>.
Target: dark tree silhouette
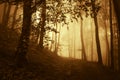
<point>96,32</point>
<point>43,17</point>
<point>111,39</point>
<point>22,48</point>
<point>117,10</point>
<point>4,12</point>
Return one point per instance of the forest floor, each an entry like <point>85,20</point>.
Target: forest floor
<point>43,65</point>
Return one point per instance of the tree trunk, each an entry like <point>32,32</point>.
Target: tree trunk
<point>107,47</point>
<point>56,42</point>
<point>97,33</point>
<point>119,47</point>
<point>4,13</point>
<point>82,42</point>
<point>51,46</point>
<point>7,15</point>
<point>69,44</point>
<point>59,36</point>
<point>74,43</point>
<point>111,38</point>
<point>14,16</point>
<point>117,10</point>
<point>106,34</point>
<point>92,37</point>
<point>43,16</point>
<point>22,48</point>
<point>98,41</point>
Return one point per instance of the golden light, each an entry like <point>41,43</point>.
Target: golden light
<point>69,42</point>
<point>38,16</point>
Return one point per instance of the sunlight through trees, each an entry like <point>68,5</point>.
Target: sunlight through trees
<point>78,29</point>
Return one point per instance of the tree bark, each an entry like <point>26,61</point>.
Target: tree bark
<point>74,42</point>
<point>82,42</point>
<point>7,15</point>
<point>106,34</point>
<point>14,16</point>
<point>97,33</point>
<point>43,16</point>
<point>117,10</point>
<point>22,48</point>
<point>111,38</point>
<point>56,37</point>
<point>92,36</point>
<point>4,13</point>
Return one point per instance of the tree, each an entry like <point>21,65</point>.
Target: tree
<point>111,39</point>
<point>22,49</point>
<point>56,41</point>
<point>82,41</point>
<point>7,14</point>
<point>92,37</point>
<point>117,10</point>
<point>43,16</point>
<point>4,12</point>
<point>105,19</point>
<point>96,32</point>
<point>14,16</point>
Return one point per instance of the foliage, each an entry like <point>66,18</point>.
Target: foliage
<point>57,11</point>
<point>14,2</point>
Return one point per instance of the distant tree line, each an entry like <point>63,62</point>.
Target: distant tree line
<point>31,6</point>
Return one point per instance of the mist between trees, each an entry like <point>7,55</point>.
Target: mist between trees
<point>80,29</point>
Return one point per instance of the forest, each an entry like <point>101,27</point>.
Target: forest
<point>59,40</point>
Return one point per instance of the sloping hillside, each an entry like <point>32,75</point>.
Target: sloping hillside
<point>44,65</point>
<point>49,68</point>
